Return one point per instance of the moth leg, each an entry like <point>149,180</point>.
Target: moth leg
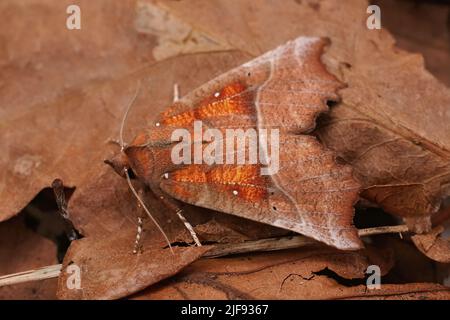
<point>139,233</point>
<point>172,205</point>
<point>189,227</point>
<point>176,92</point>
<point>137,242</point>
<point>60,196</point>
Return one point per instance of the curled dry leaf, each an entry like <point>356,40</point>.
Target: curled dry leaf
<point>301,274</point>
<point>174,36</point>
<point>433,245</point>
<point>307,273</point>
<point>109,269</point>
<point>74,130</point>
<point>401,158</point>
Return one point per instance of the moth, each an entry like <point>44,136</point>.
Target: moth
<point>285,90</point>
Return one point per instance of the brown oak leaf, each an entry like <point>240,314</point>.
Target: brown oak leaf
<point>433,245</point>
<point>320,273</point>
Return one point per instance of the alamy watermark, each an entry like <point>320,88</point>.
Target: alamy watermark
<point>73,21</point>
<point>238,146</point>
<point>74,277</point>
<point>374,279</point>
<point>374,20</point>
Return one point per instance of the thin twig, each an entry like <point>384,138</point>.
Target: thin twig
<point>31,275</point>
<point>271,244</point>
<point>282,243</point>
<point>382,230</point>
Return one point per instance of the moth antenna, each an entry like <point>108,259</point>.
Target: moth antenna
<point>122,125</point>
<point>146,210</point>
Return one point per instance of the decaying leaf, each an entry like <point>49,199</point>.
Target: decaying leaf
<point>421,26</point>
<point>174,36</point>
<point>300,274</point>
<point>46,70</point>
<point>433,245</point>
<point>109,269</point>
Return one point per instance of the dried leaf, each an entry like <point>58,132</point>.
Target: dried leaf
<point>109,269</point>
<point>174,36</point>
<point>216,227</point>
<point>433,245</point>
<point>55,67</point>
<point>421,26</point>
<point>301,274</point>
<point>410,291</point>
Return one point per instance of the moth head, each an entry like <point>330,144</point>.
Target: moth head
<point>119,162</point>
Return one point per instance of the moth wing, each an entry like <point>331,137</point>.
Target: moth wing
<point>310,194</point>
<point>284,89</point>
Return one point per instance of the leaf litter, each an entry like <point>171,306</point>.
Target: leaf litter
<point>402,159</point>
